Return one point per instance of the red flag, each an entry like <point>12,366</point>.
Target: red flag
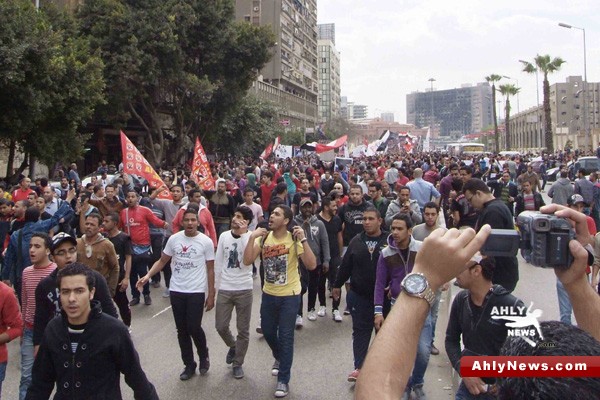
<point>201,169</point>
<point>337,143</point>
<point>135,163</point>
<point>267,151</point>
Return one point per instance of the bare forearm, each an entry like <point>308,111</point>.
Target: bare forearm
<point>308,257</point>
<point>586,306</point>
<point>127,266</point>
<point>390,360</point>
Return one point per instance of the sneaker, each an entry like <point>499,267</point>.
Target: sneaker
<point>418,393</point>
<point>322,311</point>
<point>187,373</point>
<point>134,302</point>
<point>337,317</point>
<point>259,328</point>
<point>147,299</point>
<point>434,350</point>
<point>166,293</point>
<point>230,355</point>
<point>204,366</point>
<point>281,390</point>
<point>275,369</point>
<point>346,311</point>
<point>156,284</point>
<point>238,372</point>
<point>312,316</point>
<point>353,375</point>
<point>299,322</point>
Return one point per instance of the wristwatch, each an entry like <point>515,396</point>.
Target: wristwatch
<point>415,284</point>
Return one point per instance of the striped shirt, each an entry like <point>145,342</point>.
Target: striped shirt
<point>31,277</point>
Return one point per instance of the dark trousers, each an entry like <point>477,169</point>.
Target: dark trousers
<point>304,284</point>
<point>158,244</point>
<point>316,285</point>
<point>188,309</point>
<point>139,268</point>
<point>361,309</point>
<point>334,266</point>
<point>123,305</point>
<point>278,322</point>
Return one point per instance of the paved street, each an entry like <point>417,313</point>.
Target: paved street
<point>322,357</point>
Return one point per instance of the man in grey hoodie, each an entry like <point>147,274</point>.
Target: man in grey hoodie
<point>562,189</point>
<point>315,232</point>
<point>404,204</point>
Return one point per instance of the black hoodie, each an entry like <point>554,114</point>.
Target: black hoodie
<point>481,335</point>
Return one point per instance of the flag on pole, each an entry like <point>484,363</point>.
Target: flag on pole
<point>135,163</point>
<point>267,151</point>
<point>201,169</point>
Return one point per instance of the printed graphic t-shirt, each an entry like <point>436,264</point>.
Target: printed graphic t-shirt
<point>188,262</point>
<point>280,262</point>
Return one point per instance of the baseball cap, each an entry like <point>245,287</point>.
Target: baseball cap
<point>60,238</point>
<point>574,199</point>
<point>304,201</point>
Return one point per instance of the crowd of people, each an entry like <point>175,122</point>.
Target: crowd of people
<point>78,257</point>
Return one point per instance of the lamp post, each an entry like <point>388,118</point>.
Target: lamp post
<point>585,91</point>
<point>431,125</point>
<point>516,80</point>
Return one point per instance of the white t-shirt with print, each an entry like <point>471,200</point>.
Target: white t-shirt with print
<point>188,261</point>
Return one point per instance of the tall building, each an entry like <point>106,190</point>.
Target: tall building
<point>356,111</point>
<point>387,117</point>
<point>329,98</point>
<point>326,32</point>
<point>452,112</point>
<point>294,67</point>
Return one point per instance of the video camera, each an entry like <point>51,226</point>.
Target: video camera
<point>543,240</point>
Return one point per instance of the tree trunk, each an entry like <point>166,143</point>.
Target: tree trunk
<point>496,135</point>
<point>12,146</point>
<point>32,166</point>
<point>547,117</point>
<point>507,124</point>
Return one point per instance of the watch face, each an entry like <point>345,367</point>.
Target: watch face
<point>415,284</point>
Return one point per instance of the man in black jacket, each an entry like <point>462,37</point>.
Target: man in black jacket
<point>504,189</point>
<point>360,266</point>
<point>494,212</point>
<point>84,351</point>
<point>47,299</point>
<point>471,318</point>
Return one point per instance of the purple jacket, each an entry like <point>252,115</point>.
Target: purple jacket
<point>391,269</point>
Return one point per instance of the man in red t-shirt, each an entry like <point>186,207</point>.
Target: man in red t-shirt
<point>266,189</point>
<point>23,191</point>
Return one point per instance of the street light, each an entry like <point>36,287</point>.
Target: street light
<point>585,98</point>
<point>516,80</point>
<point>431,80</point>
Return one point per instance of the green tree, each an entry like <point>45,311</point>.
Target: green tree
<point>177,67</point>
<point>249,127</point>
<point>493,78</point>
<point>508,90</point>
<point>546,65</point>
<point>50,83</point>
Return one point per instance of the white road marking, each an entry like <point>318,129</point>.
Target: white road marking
<point>158,313</point>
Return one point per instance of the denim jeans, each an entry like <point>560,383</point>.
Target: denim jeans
<point>423,352</point>
<point>278,322</point>
<point>361,309</point>
<point>434,312</point>
<point>2,375</point>
<point>564,303</point>
<point>27,358</point>
<point>188,309</point>
<point>241,300</point>
<point>463,394</point>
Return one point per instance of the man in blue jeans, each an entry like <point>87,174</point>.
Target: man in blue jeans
<point>360,265</point>
<point>280,250</point>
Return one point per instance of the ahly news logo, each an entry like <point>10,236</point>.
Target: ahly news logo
<point>520,321</point>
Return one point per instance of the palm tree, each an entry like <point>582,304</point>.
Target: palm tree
<point>508,90</point>
<point>545,65</point>
<point>493,78</point>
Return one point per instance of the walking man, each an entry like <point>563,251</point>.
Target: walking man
<point>192,260</point>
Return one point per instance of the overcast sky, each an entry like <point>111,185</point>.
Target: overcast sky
<point>390,48</point>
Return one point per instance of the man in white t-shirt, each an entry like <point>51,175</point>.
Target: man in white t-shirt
<point>234,282</point>
<point>257,212</point>
<point>192,262</point>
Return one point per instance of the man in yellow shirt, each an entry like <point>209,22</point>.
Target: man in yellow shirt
<point>280,250</point>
